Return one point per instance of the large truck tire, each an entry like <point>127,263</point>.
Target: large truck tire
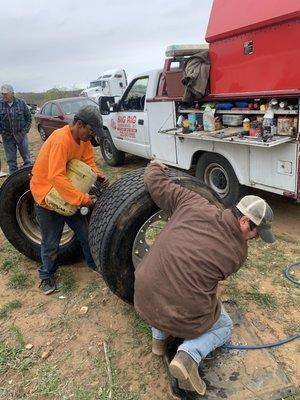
<point>216,172</point>
<point>117,223</point>
<point>110,153</point>
<point>19,224</point>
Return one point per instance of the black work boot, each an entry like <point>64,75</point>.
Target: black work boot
<point>185,369</point>
<point>48,285</point>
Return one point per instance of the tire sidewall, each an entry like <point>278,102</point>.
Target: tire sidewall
<point>117,157</point>
<point>113,255</point>
<point>11,191</point>
<point>208,159</point>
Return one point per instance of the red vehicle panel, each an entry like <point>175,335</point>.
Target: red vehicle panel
<point>272,65</point>
<point>233,17</point>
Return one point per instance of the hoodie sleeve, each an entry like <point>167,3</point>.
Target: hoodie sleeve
<point>167,194</point>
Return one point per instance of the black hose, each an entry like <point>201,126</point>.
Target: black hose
<point>230,346</point>
<point>288,275</point>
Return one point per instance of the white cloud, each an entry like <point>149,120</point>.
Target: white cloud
<point>57,43</point>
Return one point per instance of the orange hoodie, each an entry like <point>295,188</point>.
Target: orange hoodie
<point>49,169</point>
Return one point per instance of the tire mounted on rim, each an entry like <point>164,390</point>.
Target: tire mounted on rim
<point>118,222</point>
<point>19,224</point>
<point>216,172</point>
<point>110,153</point>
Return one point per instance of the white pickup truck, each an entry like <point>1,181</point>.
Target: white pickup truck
<point>143,123</point>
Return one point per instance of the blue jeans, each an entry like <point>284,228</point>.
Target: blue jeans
<point>199,347</point>
<point>52,225</point>
<point>10,147</point>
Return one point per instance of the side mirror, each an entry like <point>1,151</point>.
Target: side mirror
<point>60,116</point>
<point>106,104</point>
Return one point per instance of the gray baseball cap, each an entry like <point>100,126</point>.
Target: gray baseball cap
<point>7,89</point>
<point>91,115</point>
<point>260,213</point>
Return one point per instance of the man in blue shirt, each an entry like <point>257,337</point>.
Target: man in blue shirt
<point>15,122</point>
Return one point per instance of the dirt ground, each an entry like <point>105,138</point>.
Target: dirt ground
<point>53,347</point>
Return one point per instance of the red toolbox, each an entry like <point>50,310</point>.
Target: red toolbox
<point>254,47</point>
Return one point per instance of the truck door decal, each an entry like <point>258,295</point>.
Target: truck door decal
<point>125,125</point>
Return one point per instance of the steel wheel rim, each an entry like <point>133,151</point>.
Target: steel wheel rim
<point>140,246</point>
<point>217,178</point>
<point>107,147</point>
<point>42,134</point>
<point>28,224</point>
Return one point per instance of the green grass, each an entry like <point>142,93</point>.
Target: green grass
<point>48,380</point>
<point>87,393</point>
<point>6,266</point>
<point>137,324</point>
<point>66,281</point>
<point>9,357</point>
<point>264,300</point>
<point>292,329</point>
<point>91,287</point>
<point>244,297</point>
<point>14,357</point>
<point>19,279</point>
<point>16,331</point>
<point>8,307</point>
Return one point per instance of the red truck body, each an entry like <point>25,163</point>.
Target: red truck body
<point>254,49</point>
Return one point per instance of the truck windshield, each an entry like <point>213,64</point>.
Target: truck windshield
<point>95,84</point>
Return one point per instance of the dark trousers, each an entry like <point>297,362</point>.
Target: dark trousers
<point>10,147</point>
<point>51,225</point>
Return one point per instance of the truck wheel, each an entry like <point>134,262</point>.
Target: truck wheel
<point>120,222</point>
<point>42,133</point>
<point>110,153</point>
<point>216,172</point>
<point>19,224</point>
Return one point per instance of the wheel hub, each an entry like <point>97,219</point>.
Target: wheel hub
<point>217,177</point>
<point>28,222</point>
<point>147,235</point>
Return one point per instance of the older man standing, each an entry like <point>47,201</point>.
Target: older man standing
<point>15,122</point>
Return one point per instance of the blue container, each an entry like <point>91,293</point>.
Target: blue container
<point>192,121</point>
<point>241,104</point>
<point>224,105</point>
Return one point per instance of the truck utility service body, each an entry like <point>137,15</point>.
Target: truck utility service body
<point>249,61</point>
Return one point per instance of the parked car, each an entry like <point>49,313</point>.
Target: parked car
<point>56,113</point>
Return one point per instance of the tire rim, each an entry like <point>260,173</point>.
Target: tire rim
<point>142,244</point>
<point>107,147</point>
<point>28,223</point>
<point>42,134</point>
<point>217,178</point>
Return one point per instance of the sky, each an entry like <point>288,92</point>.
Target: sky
<point>68,43</point>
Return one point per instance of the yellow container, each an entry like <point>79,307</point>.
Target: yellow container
<point>82,177</point>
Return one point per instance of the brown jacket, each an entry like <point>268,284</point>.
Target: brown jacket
<point>176,283</point>
<point>195,76</point>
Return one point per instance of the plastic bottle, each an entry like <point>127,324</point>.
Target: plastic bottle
<point>268,122</point>
<point>192,121</point>
<point>209,119</point>
<point>246,126</point>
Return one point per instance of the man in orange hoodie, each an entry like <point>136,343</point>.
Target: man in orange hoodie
<point>49,171</point>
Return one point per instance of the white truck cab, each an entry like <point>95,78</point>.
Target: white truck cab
<point>110,83</point>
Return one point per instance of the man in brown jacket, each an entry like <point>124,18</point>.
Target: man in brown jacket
<point>176,283</point>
